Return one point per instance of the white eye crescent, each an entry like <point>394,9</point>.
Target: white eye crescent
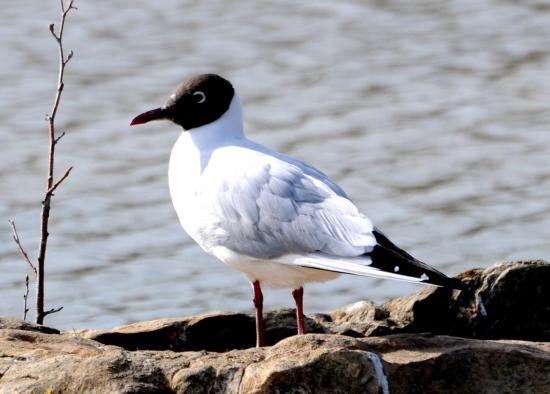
<point>201,95</point>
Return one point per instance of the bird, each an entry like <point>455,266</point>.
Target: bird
<point>278,220</point>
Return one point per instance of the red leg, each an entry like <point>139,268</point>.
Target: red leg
<point>258,304</point>
<point>298,295</point>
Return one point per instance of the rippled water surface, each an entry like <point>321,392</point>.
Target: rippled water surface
<point>433,116</point>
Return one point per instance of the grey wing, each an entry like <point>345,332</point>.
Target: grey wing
<point>305,168</point>
<point>279,208</point>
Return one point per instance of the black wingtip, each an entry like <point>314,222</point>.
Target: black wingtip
<point>386,255</point>
<point>453,283</point>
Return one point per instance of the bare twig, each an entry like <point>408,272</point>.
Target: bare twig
<point>21,249</point>
<point>50,185</point>
<point>56,184</point>
<point>53,310</point>
<point>69,57</point>
<point>58,137</point>
<point>26,297</point>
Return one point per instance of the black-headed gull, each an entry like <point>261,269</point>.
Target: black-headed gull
<point>277,219</point>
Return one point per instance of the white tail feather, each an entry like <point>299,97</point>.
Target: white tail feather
<point>346,265</point>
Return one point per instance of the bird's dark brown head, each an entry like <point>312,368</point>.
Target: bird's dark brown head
<point>197,101</point>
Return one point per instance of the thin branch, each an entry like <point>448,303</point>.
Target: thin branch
<point>21,249</point>
<point>26,297</point>
<point>58,138</point>
<point>71,6</point>
<point>53,310</point>
<point>69,57</point>
<point>50,184</point>
<point>62,61</point>
<point>56,184</point>
<point>51,27</point>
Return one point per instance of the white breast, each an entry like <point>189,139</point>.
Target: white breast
<point>196,177</point>
<point>183,176</point>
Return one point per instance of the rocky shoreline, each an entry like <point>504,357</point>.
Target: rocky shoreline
<point>494,338</point>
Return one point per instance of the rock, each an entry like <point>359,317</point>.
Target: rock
<point>513,302</point>
<point>507,300</point>
<point>316,364</point>
<point>215,372</point>
<point>217,332</point>
<point>407,363</point>
<point>440,364</point>
<point>15,324</point>
<point>364,348</point>
<point>214,332</point>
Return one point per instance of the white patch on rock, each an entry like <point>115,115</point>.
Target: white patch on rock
<point>424,277</point>
<point>482,308</point>
<point>356,306</point>
<point>396,268</point>
<point>379,370</point>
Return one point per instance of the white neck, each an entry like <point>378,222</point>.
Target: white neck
<point>227,128</point>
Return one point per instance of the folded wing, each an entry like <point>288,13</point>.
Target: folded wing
<point>276,208</point>
<point>286,211</point>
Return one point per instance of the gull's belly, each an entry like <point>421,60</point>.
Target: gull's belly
<point>271,272</point>
<point>277,275</point>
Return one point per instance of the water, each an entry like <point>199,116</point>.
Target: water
<point>433,117</point>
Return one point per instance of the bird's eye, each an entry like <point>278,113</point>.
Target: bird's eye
<point>201,95</point>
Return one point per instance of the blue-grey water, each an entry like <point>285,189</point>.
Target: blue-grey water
<point>433,116</point>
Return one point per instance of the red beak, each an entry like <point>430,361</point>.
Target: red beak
<point>154,114</point>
